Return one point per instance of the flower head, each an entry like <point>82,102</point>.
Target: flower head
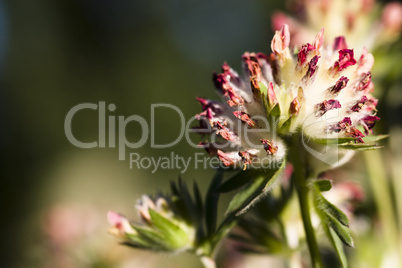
<point>321,91</point>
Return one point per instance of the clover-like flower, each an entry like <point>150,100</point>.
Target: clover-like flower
<point>162,227</point>
<point>320,91</point>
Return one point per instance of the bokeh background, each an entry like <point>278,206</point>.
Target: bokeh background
<point>56,54</point>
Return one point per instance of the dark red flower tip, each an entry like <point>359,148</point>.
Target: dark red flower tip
<point>207,113</point>
<point>340,84</point>
<point>359,105</point>
<point>223,85</point>
<point>355,133</point>
<point>225,132</point>
<point>269,146</point>
<point>246,158</point>
<point>252,66</point>
<point>244,117</point>
<point>226,159</point>
<point>364,81</point>
<point>368,123</point>
<point>302,55</point>
<point>209,148</point>
<point>346,59</point>
<point>312,66</point>
<point>326,105</point>
<point>350,131</point>
<point>345,124</point>
<point>204,102</point>
<point>371,104</point>
<point>233,76</point>
<point>210,109</point>
<point>339,43</point>
<point>347,121</point>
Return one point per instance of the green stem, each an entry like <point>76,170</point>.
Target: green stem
<point>303,191</point>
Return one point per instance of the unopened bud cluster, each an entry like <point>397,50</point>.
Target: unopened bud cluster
<point>162,229</point>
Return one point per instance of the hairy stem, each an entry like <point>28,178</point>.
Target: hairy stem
<point>303,191</point>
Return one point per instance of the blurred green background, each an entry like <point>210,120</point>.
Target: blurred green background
<point>57,54</point>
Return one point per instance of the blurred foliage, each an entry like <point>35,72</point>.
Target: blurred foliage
<point>57,54</point>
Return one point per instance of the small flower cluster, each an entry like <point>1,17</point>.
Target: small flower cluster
<point>321,91</point>
<point>162,228</point>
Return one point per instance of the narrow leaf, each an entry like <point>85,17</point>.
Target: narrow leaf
<point>137,241</point>
<point>338,246</point>
<point>211,203</point>
<point>342,231</point>
<point>251,193</point>
<point>153,238</point>
<point>185,203</point>
<point>374,138</point>
<point>164,225</point>
<point>335,212</point>
<point>360,146</point>
<point>276,110</point>
<point>198,199</point>
<point>334,141</point>
<point>323,204</point>
<point>239,179</point>
<point>243,199</point>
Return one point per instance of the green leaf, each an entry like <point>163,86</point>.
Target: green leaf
<point>360,146</point>
<point>276,110</point>
<point>253,191</point>
<point>239,179</point>
<point>166,227</point>
<point>184,203</point>
<point>137,241</point>
<point>154,239</point>
<point>173,188</point>
<point>198,199</point>
<point>211,203</point>
<point>244,198</point>
<point>335,212</point>
<point>335,141</point>
<point>284,128</point>
<point>323,185</point>
<point>323,204</point>
<point>332,217</point>
<point>350,143</point>
<point>263,89</point>
<point>374,138</point>
<point>338,246</point>
<point>342,231</point>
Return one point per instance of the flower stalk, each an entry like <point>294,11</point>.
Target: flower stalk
<point>301,175</point>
